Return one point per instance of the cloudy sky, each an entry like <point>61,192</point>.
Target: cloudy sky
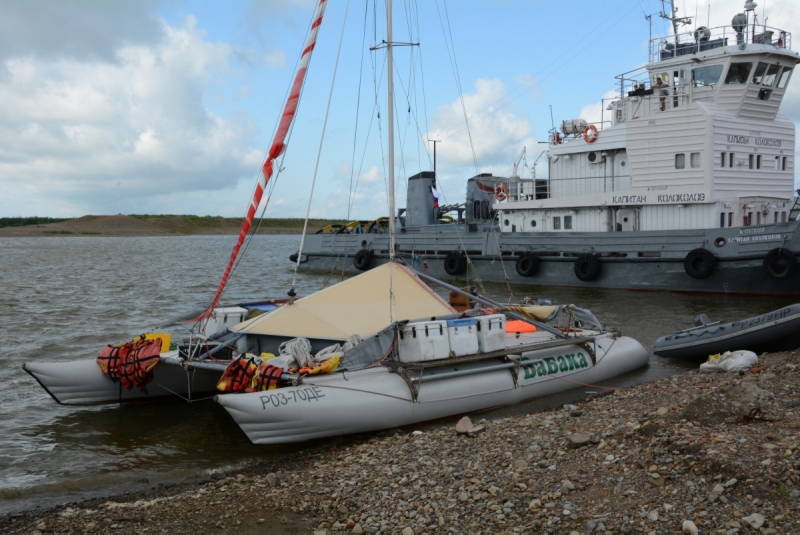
<point>167,106</point>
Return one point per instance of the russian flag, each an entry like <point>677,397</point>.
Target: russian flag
<point>435,197</point>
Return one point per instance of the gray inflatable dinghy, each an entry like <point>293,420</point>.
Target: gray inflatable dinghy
<point>773,331</point>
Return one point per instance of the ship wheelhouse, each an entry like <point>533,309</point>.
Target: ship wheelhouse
<point>693,140</point>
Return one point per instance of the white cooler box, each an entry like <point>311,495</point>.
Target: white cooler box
<point>423,340</point>
<point>224,317</point>
<point>491,332</point>
<point>463,336</point>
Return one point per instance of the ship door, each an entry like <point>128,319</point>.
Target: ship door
<point>627,219</point>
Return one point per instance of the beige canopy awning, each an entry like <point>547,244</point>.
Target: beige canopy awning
<point>359,305</point>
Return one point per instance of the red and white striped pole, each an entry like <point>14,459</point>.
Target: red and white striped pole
<point>275,150</point>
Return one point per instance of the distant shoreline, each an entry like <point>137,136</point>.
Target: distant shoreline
<point>150,225</point>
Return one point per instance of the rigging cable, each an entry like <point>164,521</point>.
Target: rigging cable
<point>276,149</point>
<point>450,46</point>
<point>319,149</point>
<point>358,109</point>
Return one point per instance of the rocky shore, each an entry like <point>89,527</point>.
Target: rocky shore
<point>694,453</point>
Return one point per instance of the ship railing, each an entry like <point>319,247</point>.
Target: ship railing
<point>702,39</point>
<point>529,190</point>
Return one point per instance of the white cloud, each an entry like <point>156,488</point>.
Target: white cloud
<point>531,84</point>
<point>275,59</point>
<point>497,134</point>
<point>594,113</point>
<point>373,174</point>
<point>90,29</point>
<point>85,130</point>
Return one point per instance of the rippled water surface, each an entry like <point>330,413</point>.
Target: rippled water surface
<point>65,298</point>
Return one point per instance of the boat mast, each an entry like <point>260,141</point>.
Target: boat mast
<point>390,127</point>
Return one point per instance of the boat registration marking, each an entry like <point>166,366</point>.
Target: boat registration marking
<point>279,399</point>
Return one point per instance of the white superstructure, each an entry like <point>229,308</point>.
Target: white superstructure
<point>693,141</point>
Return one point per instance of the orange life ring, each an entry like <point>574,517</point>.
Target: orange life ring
<point>501,192</point>
<point>590,134</point>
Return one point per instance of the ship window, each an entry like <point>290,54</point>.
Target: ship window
<point>784,78</point>
<point>722,219</point>
<point>738,72</point>
<point>749,218</point>
<point>485,209</point>
<point>730,159</point>
<point>694,159</point>
<point>774,217</point>
<point>783,217</point>
<point>476,209</point>
<point>567,222</point>
<point>557,223</point>
<point>758,161</point>
<point>750,161</point>
<point>705,76</point>
<point>783,164</point>
<point>533,222</point>
<point>722,161</point>
<point>758,75</point>
<point>506,222</point>
<point>758,218</point>
<point>730,219</point>
<point>772,73</point>
<point>680,160</point>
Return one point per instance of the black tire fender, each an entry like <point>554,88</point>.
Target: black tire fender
<point>588,267</point>
<point>455,263</point>
<point>363,259</point>
<point>528,265</point>
<point>699,263</point>
<point>780,263</point>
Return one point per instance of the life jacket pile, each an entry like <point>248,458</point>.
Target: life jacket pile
<point>130,363</point>
<point>247,375</point>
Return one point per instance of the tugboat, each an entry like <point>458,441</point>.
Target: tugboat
<point>686,184</point>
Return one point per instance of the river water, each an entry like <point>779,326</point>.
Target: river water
<point>63,298</point>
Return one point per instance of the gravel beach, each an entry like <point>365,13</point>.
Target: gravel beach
<point>693,453</point>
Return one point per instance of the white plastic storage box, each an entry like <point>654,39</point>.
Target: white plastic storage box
<point>224,317</point>
<point>423,340</point>
<point>463,335</point>
<point>491,332</point>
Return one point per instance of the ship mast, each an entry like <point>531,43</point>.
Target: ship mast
<point>672,16</point>
<point>390,127</point>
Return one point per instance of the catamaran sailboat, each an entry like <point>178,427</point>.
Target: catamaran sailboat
<point>375,351</point>
<point>685,184</point>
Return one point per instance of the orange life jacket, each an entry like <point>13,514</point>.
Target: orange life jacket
<point>237,376</point>
<point>130,363</point>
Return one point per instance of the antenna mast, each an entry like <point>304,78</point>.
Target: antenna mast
<point>672,16</point>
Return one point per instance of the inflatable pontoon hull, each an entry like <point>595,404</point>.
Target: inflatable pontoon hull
<point>80,382</point>
<point>378,398</point>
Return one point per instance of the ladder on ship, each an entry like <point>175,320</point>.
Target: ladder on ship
<point>794,213</point>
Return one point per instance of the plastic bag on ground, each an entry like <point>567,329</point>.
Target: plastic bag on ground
<point>730,361</point>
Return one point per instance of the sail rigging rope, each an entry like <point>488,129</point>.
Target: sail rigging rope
<point>277,148</point>
<point>450,46</point>
<point>319,150</point>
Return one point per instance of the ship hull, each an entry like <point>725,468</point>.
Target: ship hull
<point>628,260</point>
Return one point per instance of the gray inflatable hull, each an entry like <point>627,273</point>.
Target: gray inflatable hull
<point>378,398</point>
<point>773,331</point>
<point>80,382</point>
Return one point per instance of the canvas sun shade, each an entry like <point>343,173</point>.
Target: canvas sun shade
<point>358,305</point>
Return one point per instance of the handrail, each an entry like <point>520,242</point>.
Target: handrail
<point>692,42</point>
